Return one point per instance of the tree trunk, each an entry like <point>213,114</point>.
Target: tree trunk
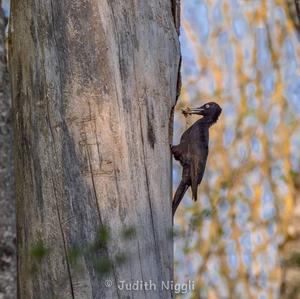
<point>7,204</point>
<point>93,84</point>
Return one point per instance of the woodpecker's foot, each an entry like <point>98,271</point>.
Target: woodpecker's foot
<point>172,148</point>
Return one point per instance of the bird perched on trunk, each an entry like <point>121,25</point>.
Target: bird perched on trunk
<point>193,150</point>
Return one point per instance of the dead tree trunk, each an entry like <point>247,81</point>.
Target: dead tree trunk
<point>93,83</point>
<point>7,204</point>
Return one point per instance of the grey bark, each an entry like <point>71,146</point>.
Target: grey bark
<point>93,87</point>
<point>7,206</point>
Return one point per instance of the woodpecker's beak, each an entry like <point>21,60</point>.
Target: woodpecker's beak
<point>198,111</point>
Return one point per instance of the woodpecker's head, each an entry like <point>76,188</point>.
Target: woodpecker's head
<point>209,110</point>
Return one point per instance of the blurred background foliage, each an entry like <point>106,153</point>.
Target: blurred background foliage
<point>241,239</point>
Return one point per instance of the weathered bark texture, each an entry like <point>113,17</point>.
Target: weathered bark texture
<point>93,84</point>
<point>7,204</point>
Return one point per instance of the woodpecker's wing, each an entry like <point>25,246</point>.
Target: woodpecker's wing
<point>197,171</point>
<point>198,151</point>
<point>194,184</point>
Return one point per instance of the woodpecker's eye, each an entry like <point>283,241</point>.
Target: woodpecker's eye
<point>206,106</point>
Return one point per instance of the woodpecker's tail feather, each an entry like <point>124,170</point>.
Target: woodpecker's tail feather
<point>178,196</point>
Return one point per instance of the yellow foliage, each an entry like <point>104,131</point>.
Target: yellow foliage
<point>250,146</point>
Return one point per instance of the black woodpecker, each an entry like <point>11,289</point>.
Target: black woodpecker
<point>192,151</point>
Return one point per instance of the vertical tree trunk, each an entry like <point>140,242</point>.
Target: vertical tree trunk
<point>93,83</point>
<point>7,204</point>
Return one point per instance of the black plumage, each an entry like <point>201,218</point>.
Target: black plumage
<point>192,151</point>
